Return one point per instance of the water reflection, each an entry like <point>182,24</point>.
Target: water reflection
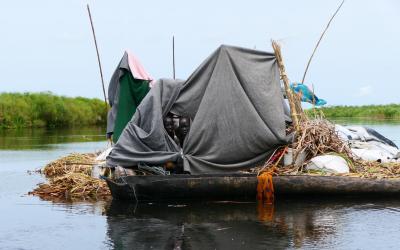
<point>43,139</point>
<point>27,221</point>
<point>288,224</point>
<point>219,225</point>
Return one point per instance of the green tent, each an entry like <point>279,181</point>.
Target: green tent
<point>128,86</point>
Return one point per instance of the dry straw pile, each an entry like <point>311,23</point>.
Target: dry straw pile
<point>73,163</point>
<point>373,169</point>
<point>318,137</point>
<point>70,179</point>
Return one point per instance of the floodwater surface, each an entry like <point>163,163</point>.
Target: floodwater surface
<point>26,222</point>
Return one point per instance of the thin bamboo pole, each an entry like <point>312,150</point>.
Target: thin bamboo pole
<point>98,55</point>
<point>319,41</point>
<point>295,112</point>
<point>173,56</point>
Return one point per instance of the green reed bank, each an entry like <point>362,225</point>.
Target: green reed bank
<point>34,110</point>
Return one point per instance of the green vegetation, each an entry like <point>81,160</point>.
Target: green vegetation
<point>390,111</point>
<point>29,110</point>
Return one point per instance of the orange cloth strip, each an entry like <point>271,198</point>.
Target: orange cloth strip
<point>265,188</point>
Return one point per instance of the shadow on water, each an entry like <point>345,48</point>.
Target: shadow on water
<point>287,224</point>
<point>43,139</point>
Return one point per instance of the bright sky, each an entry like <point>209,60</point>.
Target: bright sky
<point>48,45</point>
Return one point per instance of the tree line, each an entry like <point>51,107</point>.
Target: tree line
<point>33,110</point>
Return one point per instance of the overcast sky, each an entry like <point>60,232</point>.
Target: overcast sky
<point>48,46</point>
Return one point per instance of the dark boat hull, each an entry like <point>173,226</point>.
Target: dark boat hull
<point>244,187</point>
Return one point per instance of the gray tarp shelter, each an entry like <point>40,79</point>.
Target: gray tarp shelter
<point>237,110</point>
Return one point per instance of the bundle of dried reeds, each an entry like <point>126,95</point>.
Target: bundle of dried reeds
<point>374,169</point>
<point>296,112</point>
<point>73,185</point>
<point>73,163</point>
<point>70,179</point>
<point>360,169</point>
<point>318,137</point>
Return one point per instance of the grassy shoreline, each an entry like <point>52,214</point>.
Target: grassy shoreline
<point>45,109</point>
<point>389,111</point>
<point>37,110</point>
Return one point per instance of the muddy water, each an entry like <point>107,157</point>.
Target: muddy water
<point>27,222</point>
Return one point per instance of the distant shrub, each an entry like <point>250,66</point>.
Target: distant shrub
<point>391,111</point>
<point>49,110</point>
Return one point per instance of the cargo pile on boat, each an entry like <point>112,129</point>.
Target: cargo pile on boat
<point>69,178</point>
<point>318,137</point>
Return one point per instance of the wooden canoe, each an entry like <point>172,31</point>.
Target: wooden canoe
<point>244,187</point>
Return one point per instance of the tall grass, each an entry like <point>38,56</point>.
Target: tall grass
<point>19,110</point>
<point>390,111</point>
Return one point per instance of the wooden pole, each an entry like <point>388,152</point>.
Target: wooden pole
<point>319,41</point>
<point>295,112</point>
<point>173,56</point>
<point>98,55</point>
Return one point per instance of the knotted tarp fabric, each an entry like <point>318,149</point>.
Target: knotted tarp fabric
<point>235,103</point>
